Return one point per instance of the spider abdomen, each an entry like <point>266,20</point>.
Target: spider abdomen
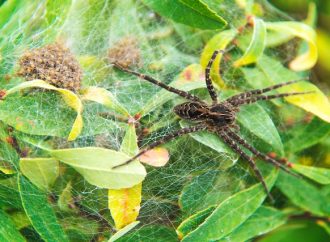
<point>191,111</point>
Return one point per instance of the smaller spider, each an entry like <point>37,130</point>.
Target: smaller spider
<point>219,117</point>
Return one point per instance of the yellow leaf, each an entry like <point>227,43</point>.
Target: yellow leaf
<point>6,168</point>
<point>315,102</point>
<point>71,99</point>
<point>308,59</point>
<point>256,46</point>
<point>124,205</point>
<point>104,97</point>
<point>218,42</point>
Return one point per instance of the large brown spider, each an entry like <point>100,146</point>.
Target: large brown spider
<point>219,117</point>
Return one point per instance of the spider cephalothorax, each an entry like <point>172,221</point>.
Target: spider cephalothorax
<point>221,115</point>
<point>218,117</point>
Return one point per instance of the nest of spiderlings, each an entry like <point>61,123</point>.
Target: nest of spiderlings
<point>54,64</point>
<point>125,53</point>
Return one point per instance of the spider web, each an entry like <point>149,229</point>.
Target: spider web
<point>89,29</point>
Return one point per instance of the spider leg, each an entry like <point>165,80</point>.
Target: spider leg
<point>208,80</point>
<point>163,140</point>
<point>259,154</point>
<point>152,80</point>
<point>250,93</point>
<point>254,99</point>
<point>233,145</point>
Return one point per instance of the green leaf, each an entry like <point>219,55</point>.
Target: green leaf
<point>320,175</point>
<point>307,135</point>
<point>9,194</point>
<point>303,194</point>
<point>129,144</point>
<point>8,231</point>
<point>39,211</point>
<point>256,120</point>
<point>193,222</point>
<point>95,165</point>
<point>265,219</point>
<point>203,190</point>
<point>8,9</point>
<point>151,233</point>
<point>123,231</point>
<point>297,231</point>
<point>256,46</point>
<point>42,172</point>
<point>194,13</point>
<point>214,142</point>
<point>244,203</point>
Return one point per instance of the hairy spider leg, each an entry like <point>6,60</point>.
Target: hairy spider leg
<point>259,154</point>
<point>264,98</point>
<point>250,93</point>
<point>166,138</point>
<point>233,145</point>
<point>208,80</point>
<point>181,93</point>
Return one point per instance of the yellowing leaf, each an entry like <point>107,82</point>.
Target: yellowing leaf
<point>308,59</point>
<point>124,205</point>
<point>191,73</point>
<point>157,157</point>
<point>66,201</point>
<point>315,102</point>
<point>256,46</point>
<point>96,166</point>
<point>104,97</point>
<point>6,168</point>
<point>218,42</point>
<point>42,172</point>
<point>71,99</point>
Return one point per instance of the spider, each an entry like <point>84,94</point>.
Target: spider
<point>218,117</point>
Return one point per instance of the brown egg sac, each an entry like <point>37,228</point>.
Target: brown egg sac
<point>125,53</point>
<point>53,64</point>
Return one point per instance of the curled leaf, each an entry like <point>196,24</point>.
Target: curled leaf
<point>157,157</point>
<point>308,59</point>
<point>315,102</point>
<point>256,46</point>
<point>71,99</point>
<point>318,174</point>
<point>123,231</point>
<point>218,42</point>
<point>96,166</point>
<point>124,205</point>
<point>104,97</point>
<point>42,172</point>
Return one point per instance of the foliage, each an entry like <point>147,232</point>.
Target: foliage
<point>59,147</point>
